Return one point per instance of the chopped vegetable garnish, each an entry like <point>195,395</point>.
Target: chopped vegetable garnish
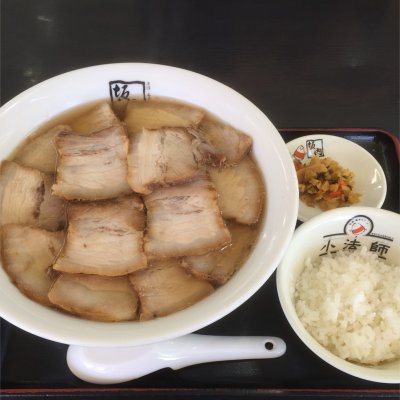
<point>325,184</point>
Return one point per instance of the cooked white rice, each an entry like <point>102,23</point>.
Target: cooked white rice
<point>350,304</point>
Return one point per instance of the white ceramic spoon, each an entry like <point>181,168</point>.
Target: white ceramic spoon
<point>116,365</point>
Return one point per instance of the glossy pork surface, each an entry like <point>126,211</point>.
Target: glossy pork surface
<point>92,167</point>
<point>40,152</point>
<point>218,266</point>
<point>100,298</point>
<point>30,270</point>
<point>104,238</point>
<point>165,287</point>
<point>25,198</point>
<point>160,157</point>
<point>228,145</point>
<point>241,191</point>
<point>184,220</point>
<point>158,114</point>
<point>96,119</point>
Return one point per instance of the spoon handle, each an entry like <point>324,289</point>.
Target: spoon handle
<point>196,349</point>
<point>115,365</point>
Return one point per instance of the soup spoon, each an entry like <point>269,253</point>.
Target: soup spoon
<point>115,365</point>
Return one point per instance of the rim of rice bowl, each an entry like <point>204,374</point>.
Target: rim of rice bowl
<point>306,242</point>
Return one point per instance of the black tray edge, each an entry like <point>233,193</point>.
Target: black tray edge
<point>215,393</point>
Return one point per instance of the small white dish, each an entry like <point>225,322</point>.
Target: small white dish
<point>369,178</point>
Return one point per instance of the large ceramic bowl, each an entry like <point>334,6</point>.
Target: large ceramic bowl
<point>341,229</point>
<point>32,108</point>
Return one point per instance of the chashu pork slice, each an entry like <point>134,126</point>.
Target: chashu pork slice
<point>184,220</point>
<point>94,120</point>
<point>160,157</point>
<point>104,238</point>
<point>100,298</point>
<point>156,114</point>
<point>241,191</point>
<point>40,152</point>
<point>92,167</point>
<point>25,198</point>
<point>166,287</point>
<point>28,254</point>
<point>21,194</point>
<point>226,144</point>
<point>218,266</point>
<point>52,215</point>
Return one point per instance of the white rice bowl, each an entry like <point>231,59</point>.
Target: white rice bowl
<point>346,312</point>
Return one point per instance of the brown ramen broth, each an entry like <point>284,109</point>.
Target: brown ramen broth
<point>129,212</point>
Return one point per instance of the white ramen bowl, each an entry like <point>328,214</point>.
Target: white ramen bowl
<point>379,231</point>
<point>369,178</point>
<point>29,110</point>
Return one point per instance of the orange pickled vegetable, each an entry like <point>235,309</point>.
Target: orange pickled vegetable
<point>324,183</point>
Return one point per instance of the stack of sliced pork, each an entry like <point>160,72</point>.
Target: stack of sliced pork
<point>129,220</point>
